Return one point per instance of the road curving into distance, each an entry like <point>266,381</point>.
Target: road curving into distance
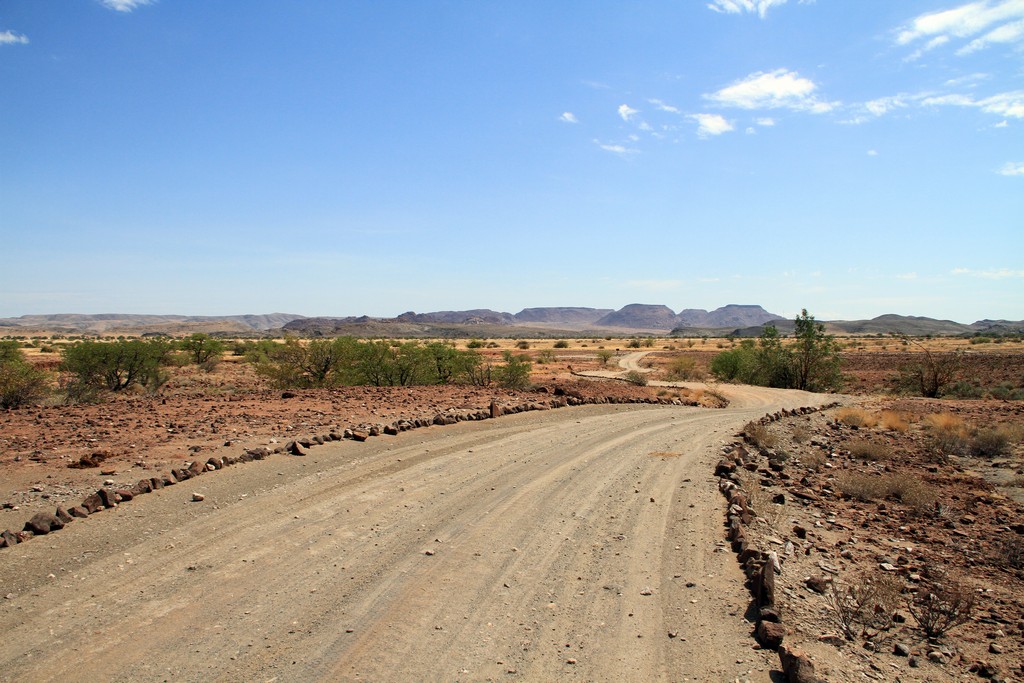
<point>573,544</point>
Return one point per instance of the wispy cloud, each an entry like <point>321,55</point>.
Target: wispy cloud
<point>779,89</point>
<point>568,117</point>
<point>1002,104</point>
<point>12,38</point>
<point>983,22</point>
<point>711,124</point>
<point>989,274</point>
<point>766,121</point>
<point>760,7</point>
<point>626,112</point>
<point>124,5</point>
<point>661,106</point>
<point>615,148</point>
<point>872,152</point>
<point>1012,168</point>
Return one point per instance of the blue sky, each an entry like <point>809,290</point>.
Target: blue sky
<point>854,157</point>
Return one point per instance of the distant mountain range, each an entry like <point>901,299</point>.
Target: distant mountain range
<point>741,320</point>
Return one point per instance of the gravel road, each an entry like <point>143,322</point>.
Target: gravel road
<point>575,544</point>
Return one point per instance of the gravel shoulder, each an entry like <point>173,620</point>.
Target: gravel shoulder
<point>579,544</point>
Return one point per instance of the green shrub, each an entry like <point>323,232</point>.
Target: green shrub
<point>561,344</point>
<point>515,373</point>
<point>92,367</point>
<point>990,442</point>
<point>20,382</point>
<point>636,377</point>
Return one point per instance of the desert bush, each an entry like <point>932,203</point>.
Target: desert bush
<point>918,495</point>
<point>633,344</point>
<point>869,450</point>
<point>759,435</point>
<point>21,383</point>
<point>1012,552</point>
<point>1004,391</point>
<point>561,344</point>
<point>949,434</point>
<point>93,367</point>
<point>801,434</point>
<point>813,461</point>
<point>636,377</point>
<point>683,368</point>
<point>522,344</point>
<point>863,605</point>
<point>475,344</point>
<point>515,373</point>
<point>942,607</point>
<point>856,417</point>
<point>990,442</point>
<point>604,355</point>
<point>863,487</point>
<point>964,390</point>
<point>932,373</point>
<point>545,356</point>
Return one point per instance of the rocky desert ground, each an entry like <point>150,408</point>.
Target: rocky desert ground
<point>863,505</point>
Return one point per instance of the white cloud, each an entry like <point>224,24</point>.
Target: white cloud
<point>1002,104</point>
<point>872,152</point>
<point>907,276</point>
<point>766,121</point>
<point>986,22</point>
<point>124,5</point>
<point>12,38</point>
<point>616,149</point>
<point>773,90</point>
<point>711,124</point>
<point>760,7</point>
<point>627,112</point>
<point>1012,168</point>
<point>664,107</point>
<point>989,274</point>
<point>568,117</point>
<point>1002,124</point>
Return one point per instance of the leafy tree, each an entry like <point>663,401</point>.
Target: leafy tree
<point>20,382</point>
<point>93,366</point>
<point>202,348</point>
<point>815,355</point>
<point>810,363</point>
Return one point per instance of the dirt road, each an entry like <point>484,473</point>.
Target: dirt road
<point>577,544</point>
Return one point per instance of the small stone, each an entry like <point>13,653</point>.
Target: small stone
<point>646,591</point>
<point>198,497</point>
<point>901,650</point>
<point>428,552</point>
<point>995,649</point>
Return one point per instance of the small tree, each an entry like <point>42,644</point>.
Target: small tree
<point>202,348</point>
<point>815,356</point>
<point>93,367</point>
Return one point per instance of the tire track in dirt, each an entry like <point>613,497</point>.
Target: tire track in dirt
<point>543,535</point>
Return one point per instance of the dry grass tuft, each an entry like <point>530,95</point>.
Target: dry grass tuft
<point>914,493</point>
<point>946,422</point>
<point>869,450</point>
<point>894,420</point>
<point>814,460</point>
<point>664,454</point>
<point>759,435</point>
<point>857,417</point>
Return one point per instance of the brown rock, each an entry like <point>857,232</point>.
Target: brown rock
<point>78,511</point>
<point>296,448</point>
<point>43,523</point>
<point>797,666</point>
<point>770,634</point>
<point>358,435</point>
<point>818,584</point>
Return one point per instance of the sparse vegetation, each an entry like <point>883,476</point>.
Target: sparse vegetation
<point>810,362</point>
<point>856,417</point>
<point>760,436</point>
<point>636,377</point>
<point>92,367</point>
<point>865,605</point>
<point>942,607</point>
<point>866,449</point>
<point>20,382</point>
